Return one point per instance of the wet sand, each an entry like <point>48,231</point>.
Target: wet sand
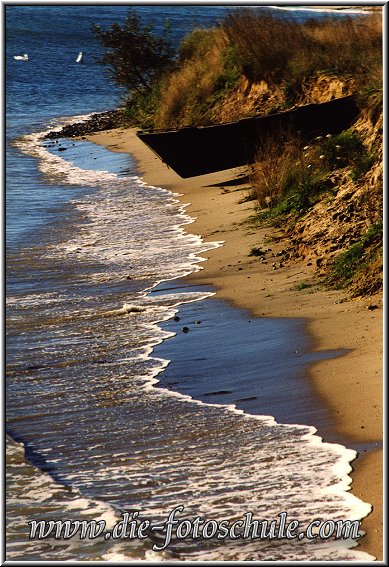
<point>351,385</point>
<point>229,357</point>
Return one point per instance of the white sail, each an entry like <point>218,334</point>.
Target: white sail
<point>79,57</point>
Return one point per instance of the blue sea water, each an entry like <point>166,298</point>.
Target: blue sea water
<point>52,85</point>
<point>88,245</point>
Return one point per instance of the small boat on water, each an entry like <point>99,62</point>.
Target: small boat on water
<point>195,151</point>
<point>23,57</point>
<point>79,57</point>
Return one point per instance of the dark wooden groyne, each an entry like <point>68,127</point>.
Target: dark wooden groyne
<point>198,150</point>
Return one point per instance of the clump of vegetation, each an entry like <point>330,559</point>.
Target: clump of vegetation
<point>278,49</point>
<point>206,74</point>
<point>137,58</point>
<point>135,55</point>
<point>287,178</point>
<point>290,178</point>
<point>371,96</point>
<point>354,265</point>
<point>347,150</point>
<point>302,285</point>
<point>263,43</point>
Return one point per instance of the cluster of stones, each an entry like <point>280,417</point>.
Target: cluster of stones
<point>95,123</point>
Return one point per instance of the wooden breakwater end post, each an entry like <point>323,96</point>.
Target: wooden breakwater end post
<point>199,150</point>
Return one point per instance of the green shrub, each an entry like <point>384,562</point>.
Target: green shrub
<point>136,56</point>
<point>230,75</point>
<point>140,107</point>
<point>355,259</point>
<point>288,177</point>
<point>347,149</point>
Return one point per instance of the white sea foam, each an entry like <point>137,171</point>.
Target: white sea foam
<point>125,310</point>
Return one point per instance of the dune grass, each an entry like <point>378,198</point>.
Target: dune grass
<point>278,50</point>
<point>206,73</point>
<point>360,265</point>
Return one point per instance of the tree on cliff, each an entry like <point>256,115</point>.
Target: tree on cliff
<point>135,55</point>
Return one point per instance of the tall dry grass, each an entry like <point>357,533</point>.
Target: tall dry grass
<point>277,49</point>
<point>288,176</point>
<point>204,75</point>
<point>280,162</point>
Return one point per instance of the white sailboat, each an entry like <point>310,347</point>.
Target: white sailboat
<point>23,57</point>
<point>79,57</point>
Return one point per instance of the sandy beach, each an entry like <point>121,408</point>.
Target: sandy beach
<point>350,385</point>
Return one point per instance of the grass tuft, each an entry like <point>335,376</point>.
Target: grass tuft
<point>355,262</point>
<point>302,285</point>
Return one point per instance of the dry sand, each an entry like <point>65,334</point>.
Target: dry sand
<point>350,385</point>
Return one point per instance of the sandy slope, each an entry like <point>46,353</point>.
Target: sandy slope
<point>351,385</point>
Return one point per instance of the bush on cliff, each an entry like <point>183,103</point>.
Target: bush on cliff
<point>135,55</point>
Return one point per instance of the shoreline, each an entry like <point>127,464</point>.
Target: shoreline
<point>244,281</point>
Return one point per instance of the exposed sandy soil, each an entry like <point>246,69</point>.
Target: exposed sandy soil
<point>350,385</point>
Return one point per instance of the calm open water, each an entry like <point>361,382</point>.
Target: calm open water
<point>91,255</point>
